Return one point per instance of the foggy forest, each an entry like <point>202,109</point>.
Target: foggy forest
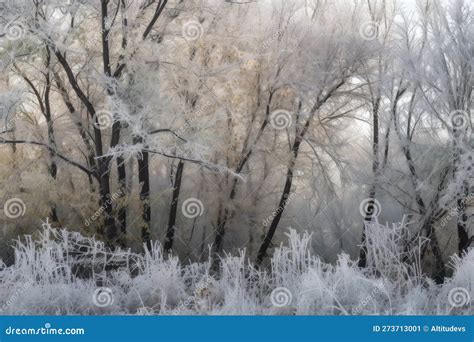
<point>236,157</point>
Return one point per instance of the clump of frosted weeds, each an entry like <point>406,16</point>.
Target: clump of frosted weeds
<point>63,272</point>
<point>159,283</point>
<point>389,249</point>
<point>319,288</point>
<point>459,289</point>
<point>234,294</point>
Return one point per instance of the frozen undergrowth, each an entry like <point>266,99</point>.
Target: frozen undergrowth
<point>62,272</point>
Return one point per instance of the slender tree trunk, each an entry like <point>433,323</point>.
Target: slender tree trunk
<point>246,154</point>
<point>45,107</point>
<point>428,225</point>
<point>463,237</point>
<point>370,208</point>
<point>53,171</point>
<point>91,162</point>
<point>103,164</point>
<point>299,136</point>
<point>144,181</point>
<point>375,171</point>
<point>122,212</point>
<point>217,246</point>
<point>111,224</point>
<point>174,207</point>
<point>106,203</point>
<point>220,232</point>
<point>440,269</point>
<point>53,168</point>
<point>428,228</point>
<point>262,252</point>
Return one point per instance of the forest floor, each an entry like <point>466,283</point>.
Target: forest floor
<point>62,272</point>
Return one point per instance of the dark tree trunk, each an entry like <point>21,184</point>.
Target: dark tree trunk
<point>299,136</point>
<point>174,207</point>
<point>103,164</point>
<point>246,154</point>
<point>122,211</point>
<point>106,203</point>
<point>463,237</point>
<point>375,171</point>
<point>53,171</point>
<point>370,209</point>
<point>144,181</point>
<point>217,246</point>
<point>428,225</point>
<point>91,162</point>
<point>220,232</point>
<point>111,224</point>
<point>45,107</point>
<point>428,228</point>
<point>262,252</point>
<point>53,168</point>
<point>440,269</point>
<point>223,217</point>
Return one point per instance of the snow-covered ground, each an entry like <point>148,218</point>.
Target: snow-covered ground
<point>62,272</point>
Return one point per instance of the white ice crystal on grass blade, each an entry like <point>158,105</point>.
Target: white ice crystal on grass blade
<point>62,272</point>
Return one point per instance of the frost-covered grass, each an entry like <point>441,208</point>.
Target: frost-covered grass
<point>62,272</point>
